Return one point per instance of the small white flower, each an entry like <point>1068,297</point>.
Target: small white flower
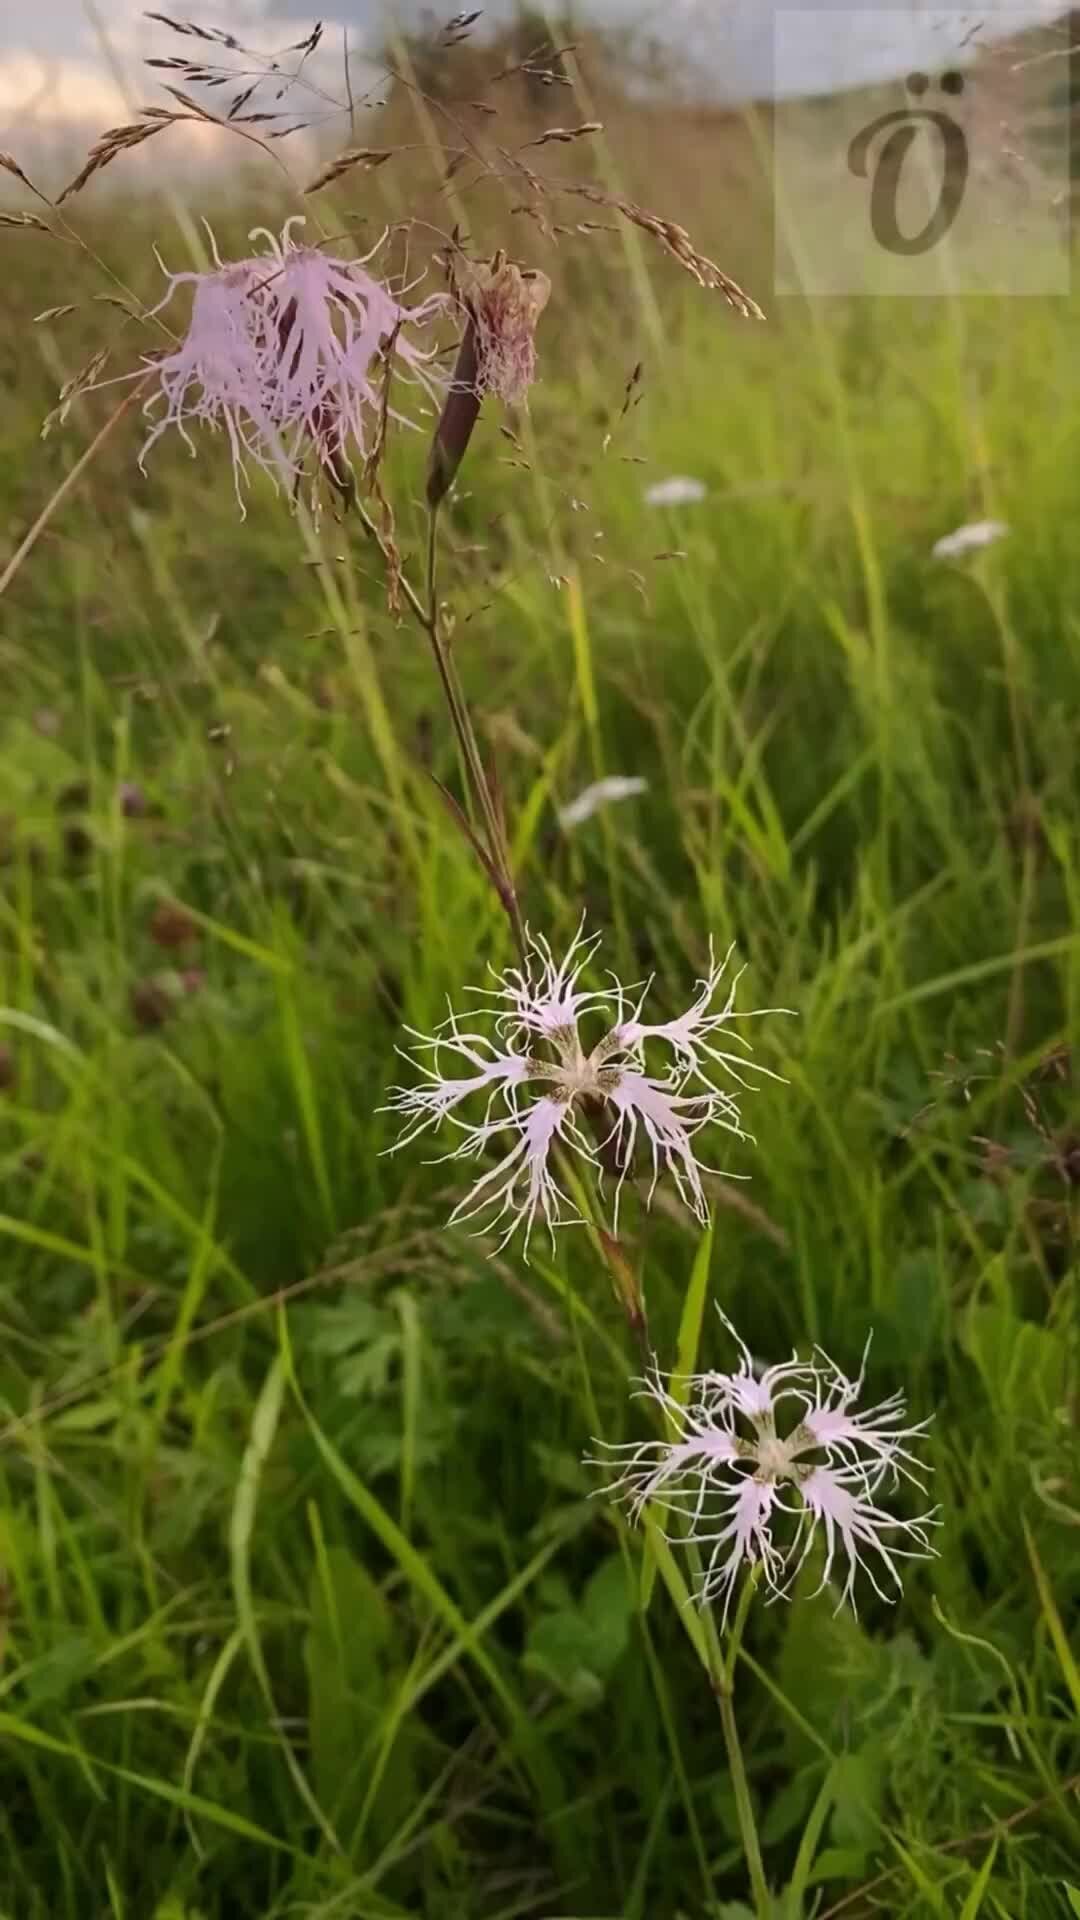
<point>678,491</point>
<point>536,1012</point>
<point>968,539</point>
<point>617,786</point>
<point>760,1463</point>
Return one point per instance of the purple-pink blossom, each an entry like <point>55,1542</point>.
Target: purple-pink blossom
<point>330,322</point>
<point>541,1081</point>
<point>216,375</point>
<point>758,1464</point>
<point>286,351</point>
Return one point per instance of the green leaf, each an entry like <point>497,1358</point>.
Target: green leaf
<point>365,1373</point>
<point>693,1314</point>
<point>788,1808</point>
<point>58,1672</point>
<point>576,1647</point>
<point>419,1575</point>
<point>858,1785</point>
<point>916,1297</point>
<point>562,1647</point>
<point>362,1766</point>
<point>972,1906</point>
<point>837,1863</point>
<point>609,1604</point>
<point>1056,1626</point>
<point>1022,1365</point>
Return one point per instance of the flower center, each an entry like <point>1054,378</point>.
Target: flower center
<point>773,1457</point>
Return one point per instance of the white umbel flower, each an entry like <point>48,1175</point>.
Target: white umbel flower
<point>968,539</point>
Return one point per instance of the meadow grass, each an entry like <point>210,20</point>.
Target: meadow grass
<point>307,1608</point>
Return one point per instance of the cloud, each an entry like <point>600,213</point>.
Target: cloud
<point>79,61</point>
<point>36,90</point>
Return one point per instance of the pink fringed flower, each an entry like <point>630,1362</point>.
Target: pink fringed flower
<point>216,375</point>
<point>537,1012</point>
<point>761,1463</point>
<point>329,323</point>
<point>284,351</point>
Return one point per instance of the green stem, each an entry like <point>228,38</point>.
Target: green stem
<point>463,727</point>
<point>476,778</point>
<point>759,1886</point>
<point>722,1680</point>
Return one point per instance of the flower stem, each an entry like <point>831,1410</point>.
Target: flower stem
<point>722,1680</point>
<point>427,616</point>
<point>462,721</point>
<point>759,1886</point>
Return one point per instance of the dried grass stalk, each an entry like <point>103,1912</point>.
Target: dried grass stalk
<point>9,164</point>
<point>565,134</point>
<point>191,105</point>
<point>373,480</point>
<point>676,241</point>
<point>117,140</point>
<point>24,220</point>
<point>369,157</point>
<point>71,389</point>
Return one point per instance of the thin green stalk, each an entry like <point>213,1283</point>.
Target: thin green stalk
<point>463,727</point>
<point>722,1680</point>
<point>428,617</point>
<point>759,1886</point>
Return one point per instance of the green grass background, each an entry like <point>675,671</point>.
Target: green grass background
<point>306,1608</point>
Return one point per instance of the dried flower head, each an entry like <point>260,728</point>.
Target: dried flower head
<point>537,1013</point>
<point>759,1463</point>
<point>283,351</point>
<point>502,305</point>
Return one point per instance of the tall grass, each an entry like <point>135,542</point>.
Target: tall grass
<point>307,1608</point>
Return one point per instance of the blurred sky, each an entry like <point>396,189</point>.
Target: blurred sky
<point>73,61</point>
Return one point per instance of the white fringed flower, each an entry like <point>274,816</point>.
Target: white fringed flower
<point>537,1012</point>
<point>760,1464</point>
